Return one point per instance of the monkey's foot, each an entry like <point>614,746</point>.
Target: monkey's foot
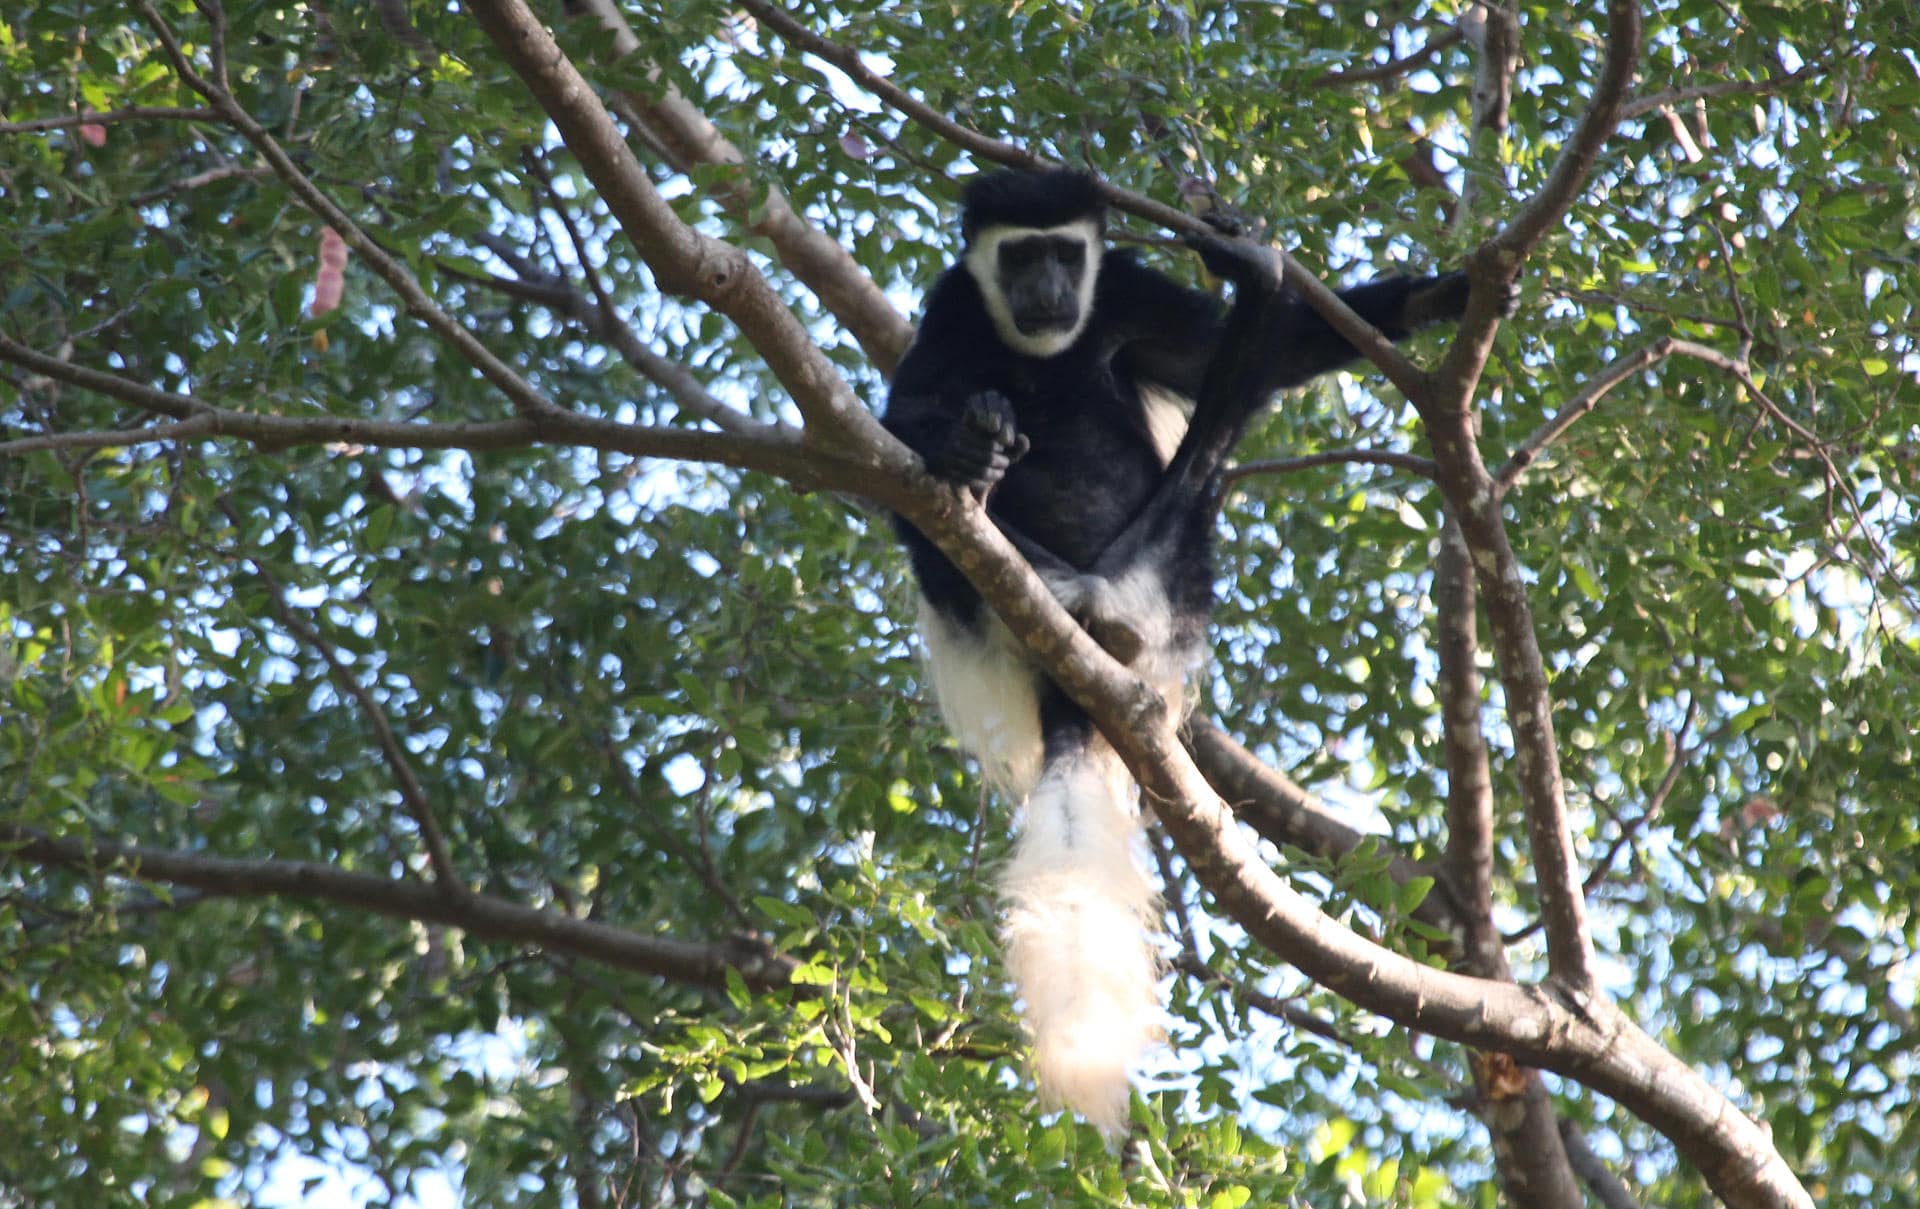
<point>1115,637</point>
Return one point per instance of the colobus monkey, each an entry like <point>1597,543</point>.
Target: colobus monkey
<point>1091,402</point>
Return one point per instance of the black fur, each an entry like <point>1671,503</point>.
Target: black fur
<point>1060,446</point>
<point>1028,199</point>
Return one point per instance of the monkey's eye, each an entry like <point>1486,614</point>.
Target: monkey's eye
<point>1020,255</point>
<point>1071,253</point>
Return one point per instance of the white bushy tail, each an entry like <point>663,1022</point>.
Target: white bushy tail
<point>1080,916</point>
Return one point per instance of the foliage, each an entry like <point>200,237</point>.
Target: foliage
<point>683,699</point>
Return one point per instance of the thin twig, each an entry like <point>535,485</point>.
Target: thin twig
<point>1596,389</point>
<point>1367,457</point>
<point>411,792</point>
<point>603,318</point>
<point>1392,68</point>
<point>525,397</point>
<point>109,117</point>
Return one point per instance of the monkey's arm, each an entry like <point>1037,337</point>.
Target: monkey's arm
<point>1166,332</point>
<point>1306,345</point>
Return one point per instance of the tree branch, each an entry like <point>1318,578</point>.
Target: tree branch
<point>1529,1159</point>
<point>1469,850</point>
<point>694,963</point>
<point>1393,68</point>
<point>775,450</point>
<point>526,399</point>
<point>1606,1187</point>
<point>1286,814</point>
<point>1364,337</point>
<point>1366,457</point>
<point>110,117</point>
<point>438,856</point>
<point>818,261</point>
<point>603,319</point>
<point>1642,105</point>
<point>683,260</point>
<point>1589,397</point>
<point>1504,252</point>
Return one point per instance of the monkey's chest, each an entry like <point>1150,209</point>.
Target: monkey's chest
<point>1089,470</point>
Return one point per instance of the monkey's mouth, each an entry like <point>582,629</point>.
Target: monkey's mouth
<point>1038,324</point>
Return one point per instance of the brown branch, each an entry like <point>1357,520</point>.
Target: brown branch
<point>1529,1160</point>
<point>109,117</point>
<point>986,147</point>
<point>1473,498</point>
<point>1676,761</point>
<point>446,877</point>
<point>1469,850</point>
<point>200,180</point>
<point>1286,814</point>
<point>1589,397</point>
<point>1836,482</point>
<point>683,260</point>
<point>777,451</point>
<point>603,319</point>
<point>1418,164</point>
<point>695,963</point>
<point>689,138</point>
<point>1640,106</point>
<point>1272,1005</point>
<point>1367,457</point>
<point>1607,1188</point>
<point>1392,69</point>
<point>1504,252</point>
<point>111,438</point>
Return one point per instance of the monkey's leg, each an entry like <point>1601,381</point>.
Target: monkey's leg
<point>1180,510</point>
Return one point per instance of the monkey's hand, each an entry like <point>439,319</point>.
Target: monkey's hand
<point>1248,265</point>
<point>1443,299</point>
<point>982,444</point>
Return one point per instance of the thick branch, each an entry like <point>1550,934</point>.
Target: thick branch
<point>488,918</point>
<point>683,260</point>
<point>820,263</point>
<point>1469,852</point>
<point>1471,499</point>
<point>1528,1157</point>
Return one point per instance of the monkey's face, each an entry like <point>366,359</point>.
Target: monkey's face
<point>1041,275</point>
<point>1037,283</point>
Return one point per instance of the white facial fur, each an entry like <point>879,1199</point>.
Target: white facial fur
<point>983,262</point>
